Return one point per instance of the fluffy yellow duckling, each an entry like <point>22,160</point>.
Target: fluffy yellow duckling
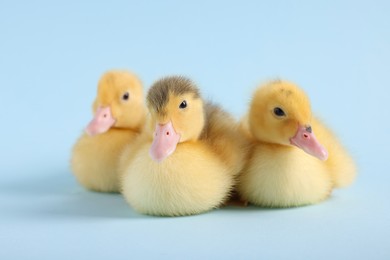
<point>119,115</point>
<point>188,163</point>
<point>289,165</point>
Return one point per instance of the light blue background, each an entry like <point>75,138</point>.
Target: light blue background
<point>53,53</point>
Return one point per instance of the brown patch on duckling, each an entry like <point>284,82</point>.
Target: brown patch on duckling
<point>158,95</point>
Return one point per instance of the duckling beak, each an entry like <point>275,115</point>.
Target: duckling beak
<point>164,142</point>
<point>101,122</point>
<point>306,140</point>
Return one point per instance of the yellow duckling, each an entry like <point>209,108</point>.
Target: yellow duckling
<point>289,165</point>
<point>188,163</point>
<point>119,115</point>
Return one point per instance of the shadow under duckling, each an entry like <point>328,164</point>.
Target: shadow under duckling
<point>188,158</point>
<point>288,165</point>
<point>119,116</point>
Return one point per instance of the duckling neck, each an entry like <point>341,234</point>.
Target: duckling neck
<point>277,148</point>
<point>124,129</point>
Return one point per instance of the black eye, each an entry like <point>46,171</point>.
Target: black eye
<point>279,112</point>
<point>183,104</point>
<point>126,96</point>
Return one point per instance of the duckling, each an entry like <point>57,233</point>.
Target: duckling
<point>119,116</point>
<point>288,164</point>
<point>187,160</point>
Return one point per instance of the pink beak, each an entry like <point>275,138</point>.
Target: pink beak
<point>305,140</point>
<point>101,122</point>
<point>164,142</point>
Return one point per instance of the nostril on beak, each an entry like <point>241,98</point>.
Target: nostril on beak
<point>105,115</point>
<point>305,135</point>
<point>167,133</point>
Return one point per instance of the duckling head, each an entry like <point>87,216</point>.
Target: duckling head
<point>177,114</point>
<point>119,103</point>
<point>280,113</point>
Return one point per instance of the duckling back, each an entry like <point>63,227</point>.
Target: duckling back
<point>340,164</point>
<point>221,132</point>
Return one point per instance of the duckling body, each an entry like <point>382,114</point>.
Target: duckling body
<point>289,165</point>
<point>119,118</point>
<point>198,173</point>
<point>190,181</point>
<point>95,159</point>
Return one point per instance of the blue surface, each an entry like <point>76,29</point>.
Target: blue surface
<point>52,55</point>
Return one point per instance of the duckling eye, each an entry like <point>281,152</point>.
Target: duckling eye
<point>183,104</point>
<point>126,96</point>
<point>279,112</point>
